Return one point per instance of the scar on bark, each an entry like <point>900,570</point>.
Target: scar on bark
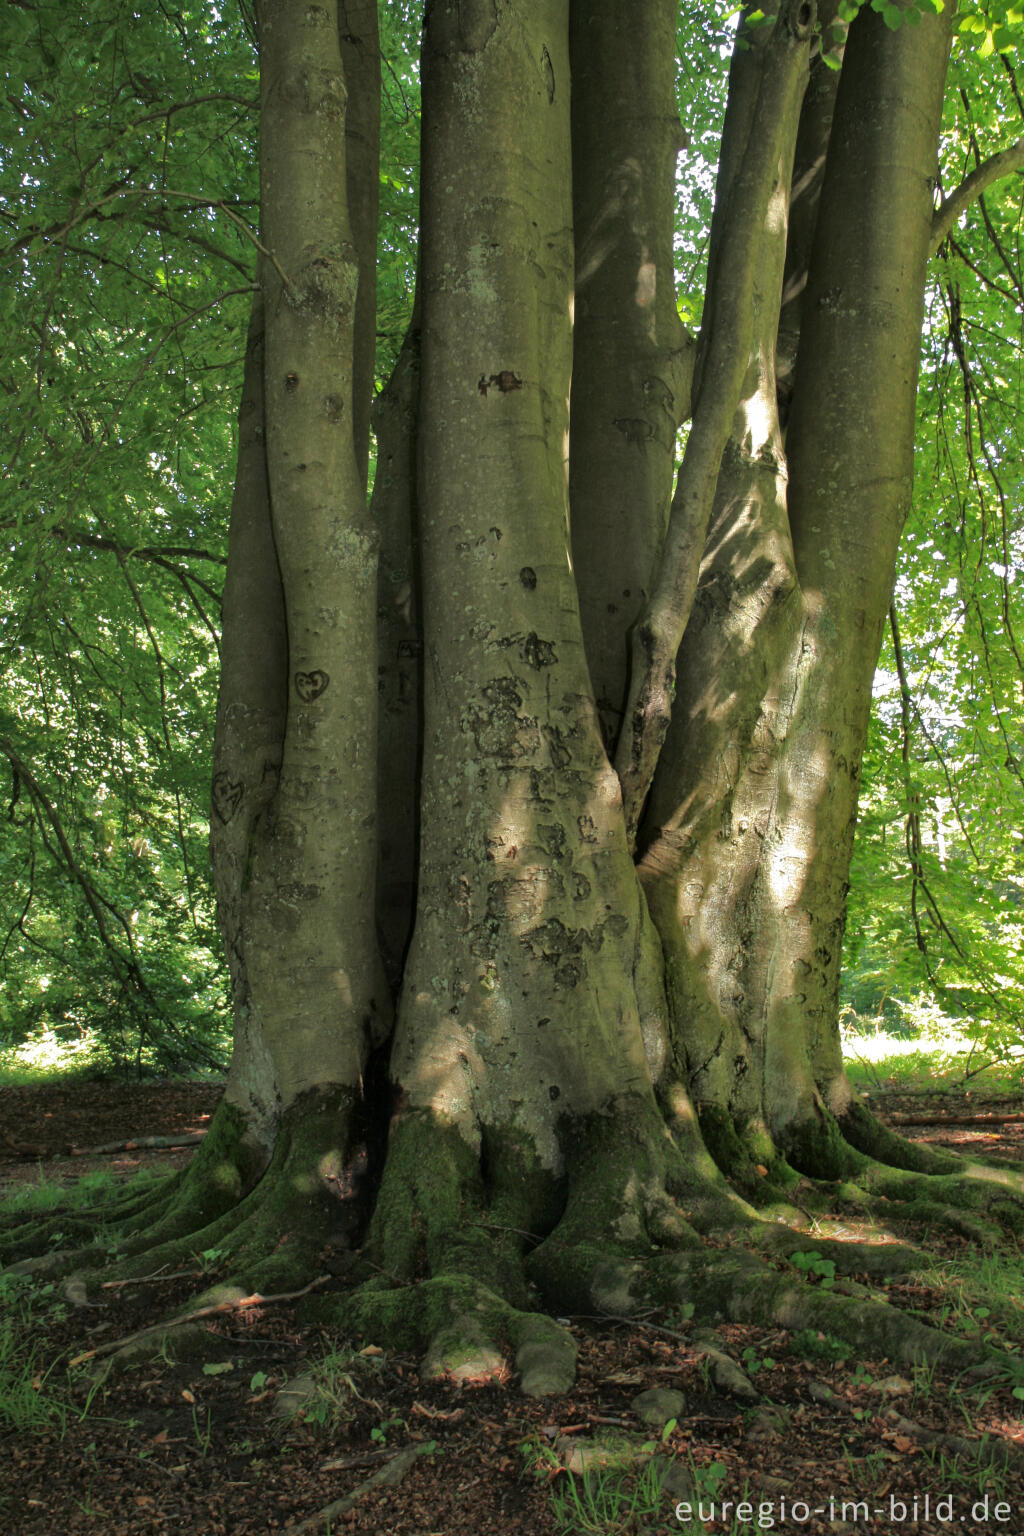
<point>506,381</point>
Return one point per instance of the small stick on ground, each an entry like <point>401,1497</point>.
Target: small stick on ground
<point>388,1476</point>
<point>153,1279</point>
<point>980,1119</point>
<point>241,1304</point>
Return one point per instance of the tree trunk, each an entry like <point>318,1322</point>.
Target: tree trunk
<point>519,1012</point>
<point>632,360</point>
<point>751,820</point>
<point>296,740</point>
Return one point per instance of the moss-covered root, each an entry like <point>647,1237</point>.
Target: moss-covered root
<point>462,1330</point>
<point>270,1237</point>
<point>620,1210</point>
<point>747,1156</point>
<point>863,1160</point>
<point>223,1169</point>
<point>273,1237</point>
<point>737,1286</point>
<point>979,1202</point>
<point>446,1207</point>
<point>867,1135</point>
<point>77,1226</point>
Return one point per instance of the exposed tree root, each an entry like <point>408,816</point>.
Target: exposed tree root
<point>467,1243</point>
<point>223,1168</point>
<point>195,1314</point>
<point>22,1238</point>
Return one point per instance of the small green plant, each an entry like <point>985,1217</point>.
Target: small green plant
<point>379,1434</point>
<point>708,1480</point>
<point>603,1501</point>
<point>984,1469</point>
<point>28,1402</point>
<point>816,1268</point>
<point>541,1459</point>
<point>753,1362</point>
<point>209,1259</point>
<point>650,1446</point>
<point>809,1344</point>
<point>203,1432</point>
<point>865,1471</point>
<point>340,1381</point>
<point>704,1373</point>
<point>677,1317</point>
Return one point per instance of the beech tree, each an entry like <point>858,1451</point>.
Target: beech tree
<point>536,771</point>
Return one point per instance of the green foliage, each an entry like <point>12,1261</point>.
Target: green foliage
<point>127,178</point>
<point>936,913</point>
<point>128,249</point>
<point>601,1501</point>
<point>816,1268</point>
<point>809,1344</point>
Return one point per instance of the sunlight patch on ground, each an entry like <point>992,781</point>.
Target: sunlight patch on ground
<point>941,1040</point>
<point>48,1053</point>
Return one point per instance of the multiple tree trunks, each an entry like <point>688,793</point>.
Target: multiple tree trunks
<point>526,545</point>
<point>613,791</point>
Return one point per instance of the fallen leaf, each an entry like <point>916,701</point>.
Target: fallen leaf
<point>450,1415</point>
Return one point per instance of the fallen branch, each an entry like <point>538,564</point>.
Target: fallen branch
<point>240,1304</point>
<point>388,1476</point>
<point>141,1144</point>
<point>38,1150</point>
<point>153,1279</point>
<point>955,1119</point>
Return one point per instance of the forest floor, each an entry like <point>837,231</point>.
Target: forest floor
<point>830,1442</point>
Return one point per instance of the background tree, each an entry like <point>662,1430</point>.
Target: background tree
<point>936,888</point>
<point>617,922</point>
<point>128,197</point>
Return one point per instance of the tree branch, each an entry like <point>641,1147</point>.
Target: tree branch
<point>126,967</point>
<point>971,188</point>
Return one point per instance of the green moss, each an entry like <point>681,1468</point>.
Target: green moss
<point>871,1137</point>
<point>816,1147</point>
<point>521,1193</point>
<point>412,1317</point>
<point>722,1139</point>
<point>430,1191</point>
<point>223,1169</point>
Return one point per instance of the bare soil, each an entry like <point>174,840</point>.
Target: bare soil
<point>836,1444</point>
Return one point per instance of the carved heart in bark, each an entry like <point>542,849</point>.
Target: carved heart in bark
<point>226,796</point>
<point>310,685</point>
